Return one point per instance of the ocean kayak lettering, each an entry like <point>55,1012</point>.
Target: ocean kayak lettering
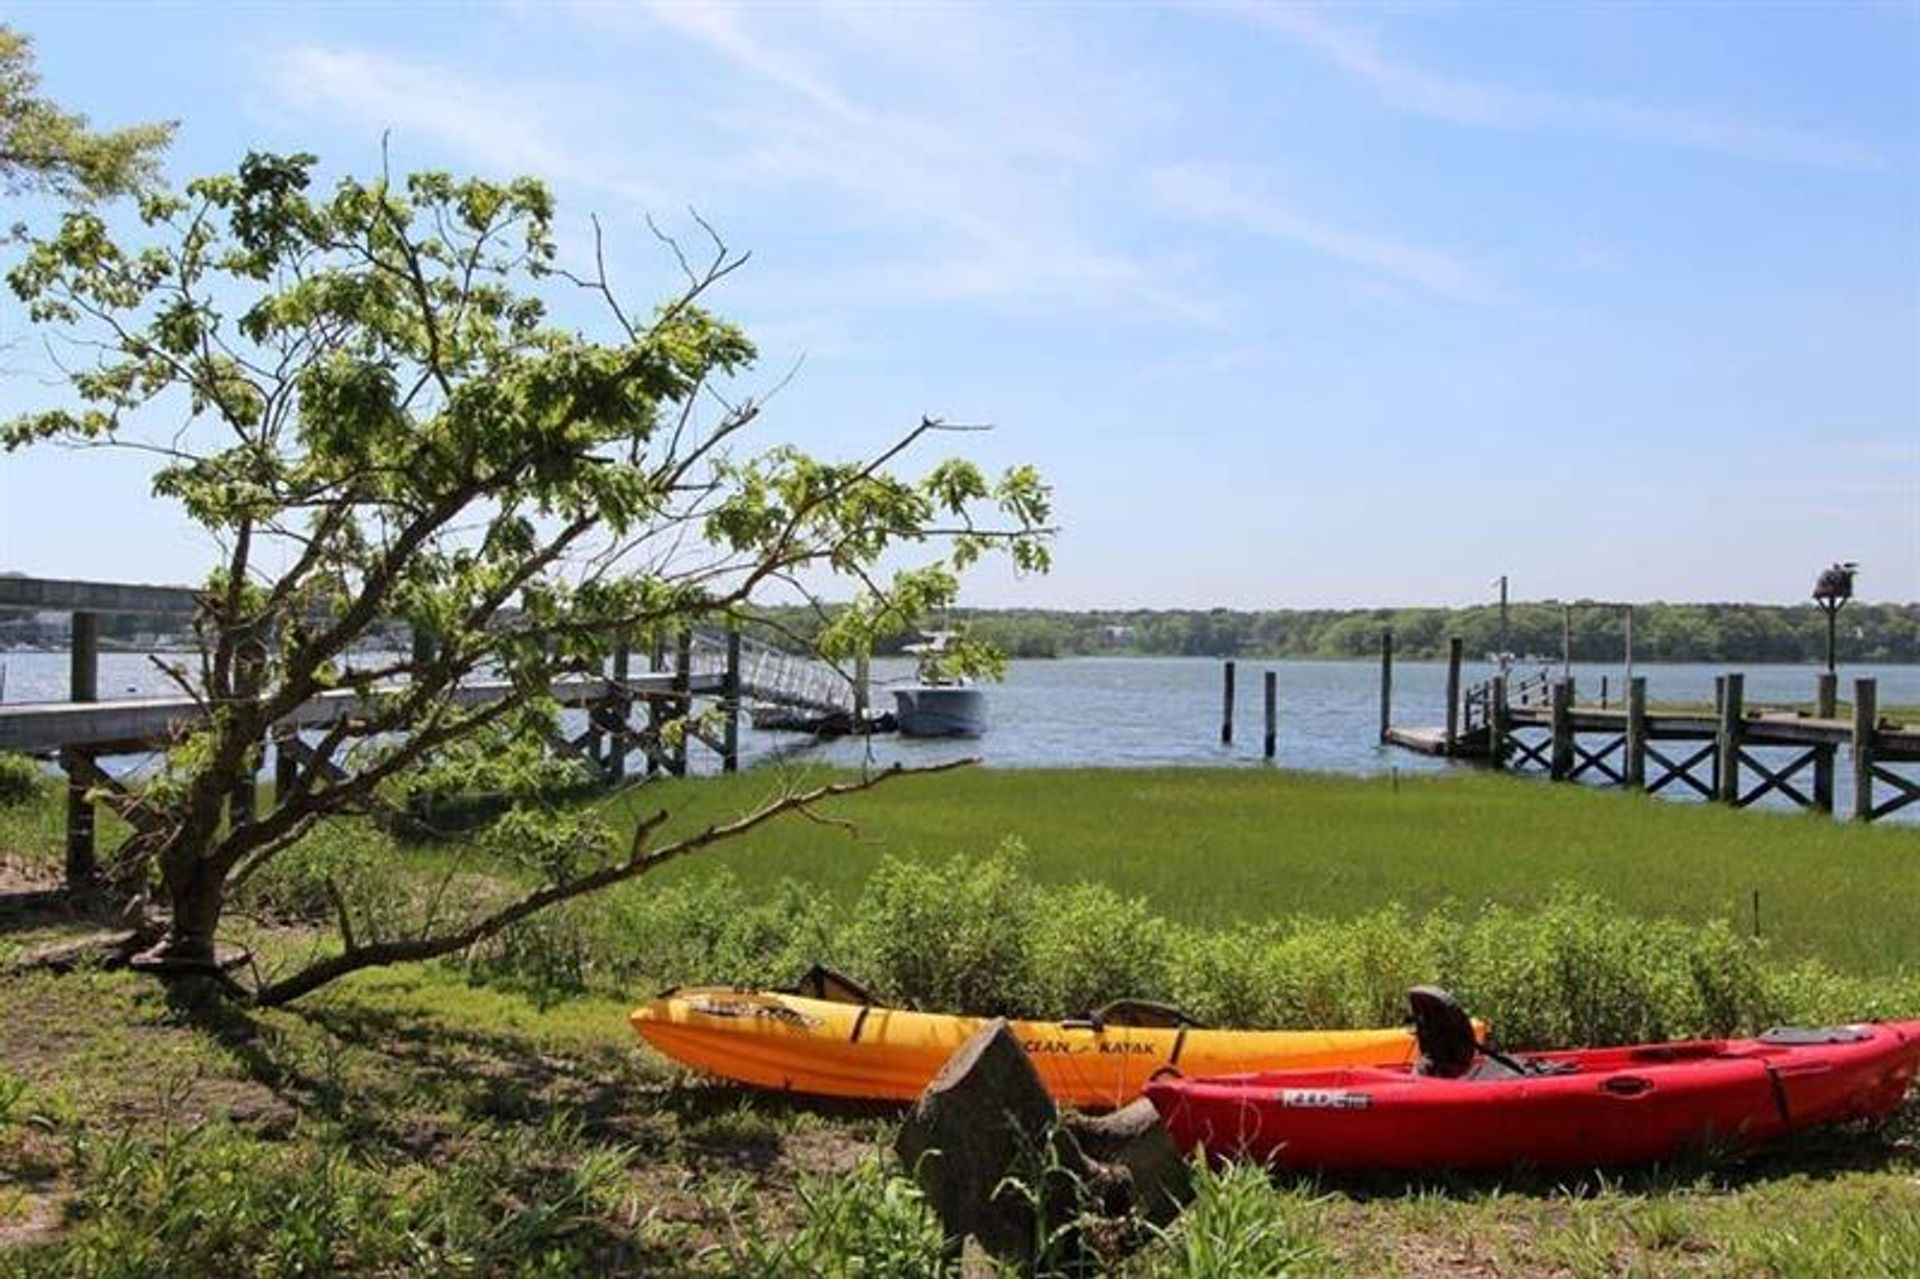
<point>1074,1048</point>
<point>1323,1099</point>
<point>750,1009</point>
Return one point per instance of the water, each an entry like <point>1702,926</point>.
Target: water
<point>1133,712</point>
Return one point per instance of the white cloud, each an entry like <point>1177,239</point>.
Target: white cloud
<point>512,128</point>
<point>1470,102</point>
<point>1219,196</point>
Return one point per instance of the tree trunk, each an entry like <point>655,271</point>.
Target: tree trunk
<point>196,892</point>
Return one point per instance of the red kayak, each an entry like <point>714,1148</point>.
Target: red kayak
<point>1467,1108</point>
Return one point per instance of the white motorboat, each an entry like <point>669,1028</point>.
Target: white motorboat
<point>938,703</point>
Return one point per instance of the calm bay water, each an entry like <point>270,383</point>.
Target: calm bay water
<point>1131,712</point>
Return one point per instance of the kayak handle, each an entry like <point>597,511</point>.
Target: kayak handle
<point>1628,1086</point>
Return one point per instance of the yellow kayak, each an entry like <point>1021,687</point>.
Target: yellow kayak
<point>833,1049</point>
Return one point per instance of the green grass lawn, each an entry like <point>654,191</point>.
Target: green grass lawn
<point>428,1120</point>
<point>1217,846</point>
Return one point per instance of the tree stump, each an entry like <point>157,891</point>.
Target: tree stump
<point>996,1161</point>
<point>1133,1138</point>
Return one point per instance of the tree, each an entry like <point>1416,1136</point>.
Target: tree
<point>363,398</point>
<point>48,150</point>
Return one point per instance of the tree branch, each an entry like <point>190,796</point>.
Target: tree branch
<point>638,862</point>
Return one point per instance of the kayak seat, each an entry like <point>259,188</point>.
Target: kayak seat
<point>1147,1013</point>
<point>1443,1032</point>
<point>1809,1036</point>
<point>821,982</point>
<point>1449,1050</point>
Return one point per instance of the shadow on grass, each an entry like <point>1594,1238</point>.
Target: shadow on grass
<point>397,1081</point>
<point>1821,1155</point>
<point>34,909</point>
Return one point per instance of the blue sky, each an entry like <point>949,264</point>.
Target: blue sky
<point>1295,306</point>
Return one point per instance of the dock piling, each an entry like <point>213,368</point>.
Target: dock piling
<point>1386,683</point>
<point>1226,705</point>
<point>1866,709</point>
<point>1497,722</point>
<point>1636,744</point>
<point>730,696</point>
<point>1726,769</point>
<point>83,670</point>
<point>1560,761</point>
<point>1270,741</point>
<point>682,699</point>
<point>1825,706</point>
<point>622,709</point>
<point>1453,693</point>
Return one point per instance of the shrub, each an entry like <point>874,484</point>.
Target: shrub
<point>706,931</point>
<point>1576,971</point>
<point>1230,978</point>
<point>21,780</point>
<point>952,937</point>
<point>1090,945</point>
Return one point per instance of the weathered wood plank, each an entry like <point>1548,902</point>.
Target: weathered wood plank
<point>134,724</point>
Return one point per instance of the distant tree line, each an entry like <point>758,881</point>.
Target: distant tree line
<point>1661,632</point>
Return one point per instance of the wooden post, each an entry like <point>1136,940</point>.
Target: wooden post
<point>423,645</point>
<point>656,711</point>
<point>1268,743</point>
<point>1386,683</point>
<point>1866,710</point>
<point>1603,692</point>
<point>682,697</point>
<point>730,728</point>
<point>1497,722</point>
<point>1727,748</point>
<point>1636,760</point>
<point>249,664</point>
<point>1566,641</point>
<point>286,766</point>
<point>622,706</point>
<point>1453,692</point>
<point>83,671</point>
<point>1226,706</point>
<point>1826,695</point>
<point>1560,758</point>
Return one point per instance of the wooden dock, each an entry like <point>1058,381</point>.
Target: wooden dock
<point>1710,754</point>
<point>650,713</point>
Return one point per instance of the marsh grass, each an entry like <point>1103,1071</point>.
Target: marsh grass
<point>1247,846</point>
